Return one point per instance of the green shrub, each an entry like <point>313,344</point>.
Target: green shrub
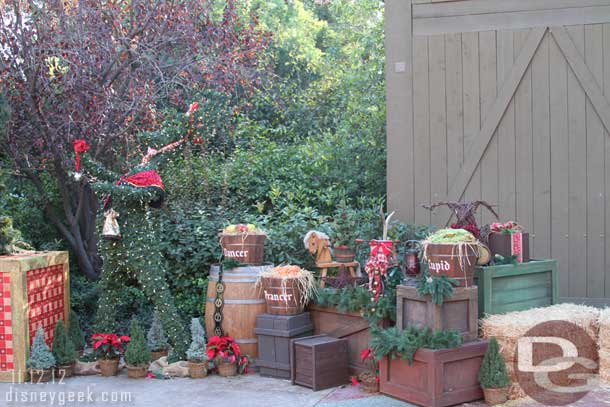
<point>75,332</point>
<point>41,356</point>
<point>63,348</point>
<point>137,353</point>
<point>156,338</point>
<point>493,374</point>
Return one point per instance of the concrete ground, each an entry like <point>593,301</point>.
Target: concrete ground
<point>249,390</point>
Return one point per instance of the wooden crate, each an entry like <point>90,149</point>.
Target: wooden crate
<point>517,287</point>
<point>34,292</point>
<point>274,335</point>
<point>319,362</point>
<point>350,326</point>
<point>458,312</point>
<point>437,378</point>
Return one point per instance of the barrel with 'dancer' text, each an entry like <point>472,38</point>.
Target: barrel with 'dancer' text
<point>243,301</point>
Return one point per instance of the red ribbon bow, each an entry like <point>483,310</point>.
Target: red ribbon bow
<point>80,146</point>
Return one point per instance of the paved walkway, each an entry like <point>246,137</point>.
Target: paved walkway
<point>249,390</point>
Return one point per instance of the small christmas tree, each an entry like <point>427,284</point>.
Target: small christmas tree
<point>63,348</point>
<point>156,339</point>
<point>75,332</point>
<point>197,351</point>
<point>40,354</point>
<point>137,354</point>
<point>493,374</point>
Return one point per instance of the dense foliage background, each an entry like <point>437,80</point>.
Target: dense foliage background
<point>310,137</point>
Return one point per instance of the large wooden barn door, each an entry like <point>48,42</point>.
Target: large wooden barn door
<point>508,101</point>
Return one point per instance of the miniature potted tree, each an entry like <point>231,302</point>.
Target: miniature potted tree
<point>344,234</point>
<point>41,360</point>
<point>137,355</point>
<point>156,339</point>
<point>63,351</point>
<point>108,349</point>
<point>75,333</point>
<point>225,353</point>
<point>196,354</point>
<point>493,375</point>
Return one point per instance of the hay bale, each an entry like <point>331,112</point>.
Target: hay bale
<point>604,345</point>
<point>508,328</point>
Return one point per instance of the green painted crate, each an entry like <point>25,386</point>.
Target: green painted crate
<point>517,287</point>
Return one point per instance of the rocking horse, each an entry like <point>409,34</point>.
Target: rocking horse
<point>318,244</point>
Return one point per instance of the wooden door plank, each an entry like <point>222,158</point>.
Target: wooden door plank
<point>489,161</point>
<point>541,147</point>
<point>472,106</point>
<point>421,122</point>
<point>577,127</point>
<point>506,131</point>
<point>399,101</point>
<point>476,150</point>
<point>558,77</point>
<point>523,143</point>
<point>438,125</point>
<point>455,109</point>
<point>594,165</point>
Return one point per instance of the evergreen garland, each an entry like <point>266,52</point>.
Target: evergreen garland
<point>40,354</point>
<point>137,354</point>
<point>358,299</point>
<point>63,348</point>
<point>75,332</point>
<point>438,288</point>
<point>393,342</point>
<point>493,374</point>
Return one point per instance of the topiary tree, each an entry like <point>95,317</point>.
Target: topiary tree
<point>41,356</point>
<point>63,348</point>
<point>197,350</point>
<point>156,339</point>
<point>75,332</point>
<point>493,374</point>
<point>137,354</point>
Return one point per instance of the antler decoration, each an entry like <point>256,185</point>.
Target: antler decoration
<point>464,211</point>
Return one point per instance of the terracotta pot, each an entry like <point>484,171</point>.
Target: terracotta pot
<point>227,369</point>
<point>198,370</point>
<point>137,372</point>
<point>41,375</point>
<point>158,354</point>
<point>344,254</point>
<point>369,381</point>
<point>64,371</point>
<point>109,367</point>
<point>494,397</point>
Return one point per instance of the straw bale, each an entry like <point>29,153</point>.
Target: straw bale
<point>604,365</point>
<point>604,330</point>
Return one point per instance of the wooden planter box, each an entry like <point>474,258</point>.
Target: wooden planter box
<point>458,312</point>
<point>517,287</point>
<point>34,292</point>
<point>437,378</point>
<point>274,335</point>
<point>344,325</point>
<point>319,362</point>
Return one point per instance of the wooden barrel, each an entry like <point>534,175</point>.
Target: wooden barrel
<point>445,260</point>
<point>242,303</point>
<point>246,249</point>
<point>282,298</point>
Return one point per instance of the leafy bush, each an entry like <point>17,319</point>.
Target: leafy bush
<point>137,354</point>
<point>63,348</point>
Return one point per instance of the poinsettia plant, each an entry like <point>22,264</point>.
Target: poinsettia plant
<point>509,227</point>
<point>224,349</point>
<point>109,346</point>
<point>367,356</point>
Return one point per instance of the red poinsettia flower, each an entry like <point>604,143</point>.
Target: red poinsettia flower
<point>81,146</point>
<point>355,381</point>
<point>366,354</point>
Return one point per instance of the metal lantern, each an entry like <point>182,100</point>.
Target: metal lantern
<point>412,263</point>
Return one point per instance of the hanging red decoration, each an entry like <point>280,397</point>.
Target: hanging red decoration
<point>80,146</point>
<point>377,265</point>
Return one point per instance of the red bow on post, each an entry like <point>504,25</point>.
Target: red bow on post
<point>80,146</point>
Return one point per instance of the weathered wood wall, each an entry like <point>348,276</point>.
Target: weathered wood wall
<point>507,101</point>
